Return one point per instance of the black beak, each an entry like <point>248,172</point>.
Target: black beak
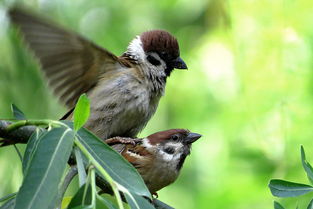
<point>192,137</point>
<point>178,63</point>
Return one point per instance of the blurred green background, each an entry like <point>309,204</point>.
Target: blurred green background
<point>248,90</point>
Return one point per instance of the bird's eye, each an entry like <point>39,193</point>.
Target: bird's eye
<point>153,60</point>
<point>169,150</point>
<point>174,137</point>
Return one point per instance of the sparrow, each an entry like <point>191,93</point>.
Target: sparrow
<point>124,91</point>
<point>159,157</point>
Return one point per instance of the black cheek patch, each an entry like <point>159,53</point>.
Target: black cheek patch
<point>153,61</point>
<point>169,150</point>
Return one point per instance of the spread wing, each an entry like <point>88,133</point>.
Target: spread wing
<point>71,63</point>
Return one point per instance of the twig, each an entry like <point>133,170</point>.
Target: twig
<point>20,135</point>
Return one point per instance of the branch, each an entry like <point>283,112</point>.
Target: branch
<point>20,135</point>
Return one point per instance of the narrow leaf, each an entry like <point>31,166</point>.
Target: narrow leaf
<point>81,197</point>
<point>307,167</point>
<point>44,173</point>
<point>137,202</point>
<point>7,197</point>
<point>80,167</point>
<point>9,204</point>
<point>277,205</point>
<point>81,112</point>
<point>30,148</point>
<point>17,113</point>
<point>310,206</point>
<point>161,205</point>
<point>117,167</point>
<point>105,203</point>
<point>281,188</point>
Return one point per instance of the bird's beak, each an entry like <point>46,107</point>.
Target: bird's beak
<point>192,137</point>
<point>178,63</point>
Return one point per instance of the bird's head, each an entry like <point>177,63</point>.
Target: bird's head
<point>159,49</point>
<point>172,145</point>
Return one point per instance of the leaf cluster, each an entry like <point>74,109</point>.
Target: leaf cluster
<point>47,175</point>
<point>283,188</point>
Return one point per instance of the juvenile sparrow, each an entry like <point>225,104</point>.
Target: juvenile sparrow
<point>158,157</point>
<point>124,90</point>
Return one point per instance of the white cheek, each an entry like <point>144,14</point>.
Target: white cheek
<point>172,157</point>
<point>136,50</point>
<point>166,157</point>
<point>146,143</point>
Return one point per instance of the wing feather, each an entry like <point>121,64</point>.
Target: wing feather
<point>72,64</point>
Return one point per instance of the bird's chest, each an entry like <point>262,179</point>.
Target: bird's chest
<point>121,107</point>
<point>161,174</point>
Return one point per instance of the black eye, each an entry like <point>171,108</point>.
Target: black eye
<point>153,60</point>
<point>174,137</point>
<point>169,150</point>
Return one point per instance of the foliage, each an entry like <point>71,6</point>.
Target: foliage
<point>44,163</point>
<point>282,188</point>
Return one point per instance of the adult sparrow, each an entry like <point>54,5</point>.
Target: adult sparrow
<point>158,157</point>
<point>124,90</point>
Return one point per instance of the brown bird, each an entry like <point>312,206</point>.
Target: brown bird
<point>158,157</point>
<point>124,90</point>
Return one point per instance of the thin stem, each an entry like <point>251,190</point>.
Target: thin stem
<point>93,186</point>
<point>21,123</point>
<point>86,187</point>
<point>109,179</point>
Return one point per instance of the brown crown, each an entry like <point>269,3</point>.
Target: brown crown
<point>165,135</point>
<point>160,41</point>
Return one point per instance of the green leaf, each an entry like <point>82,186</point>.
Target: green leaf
<point>30,148</point>
<point>7,197</point>
<point>118,168</point>
<point>281,188</point>
<point>17,113</point>
<point>277,205</point>
<point>310,206</point>
<point>105,203</point>
<point>161,205</point>
<point>80,197</point>
<point>84,207</point>
<point>81,112</point>
<point>307,167</point>
<point>137,202</point>
<point>80,167</point>
<point>44,173</point>
<point>9,204</point>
